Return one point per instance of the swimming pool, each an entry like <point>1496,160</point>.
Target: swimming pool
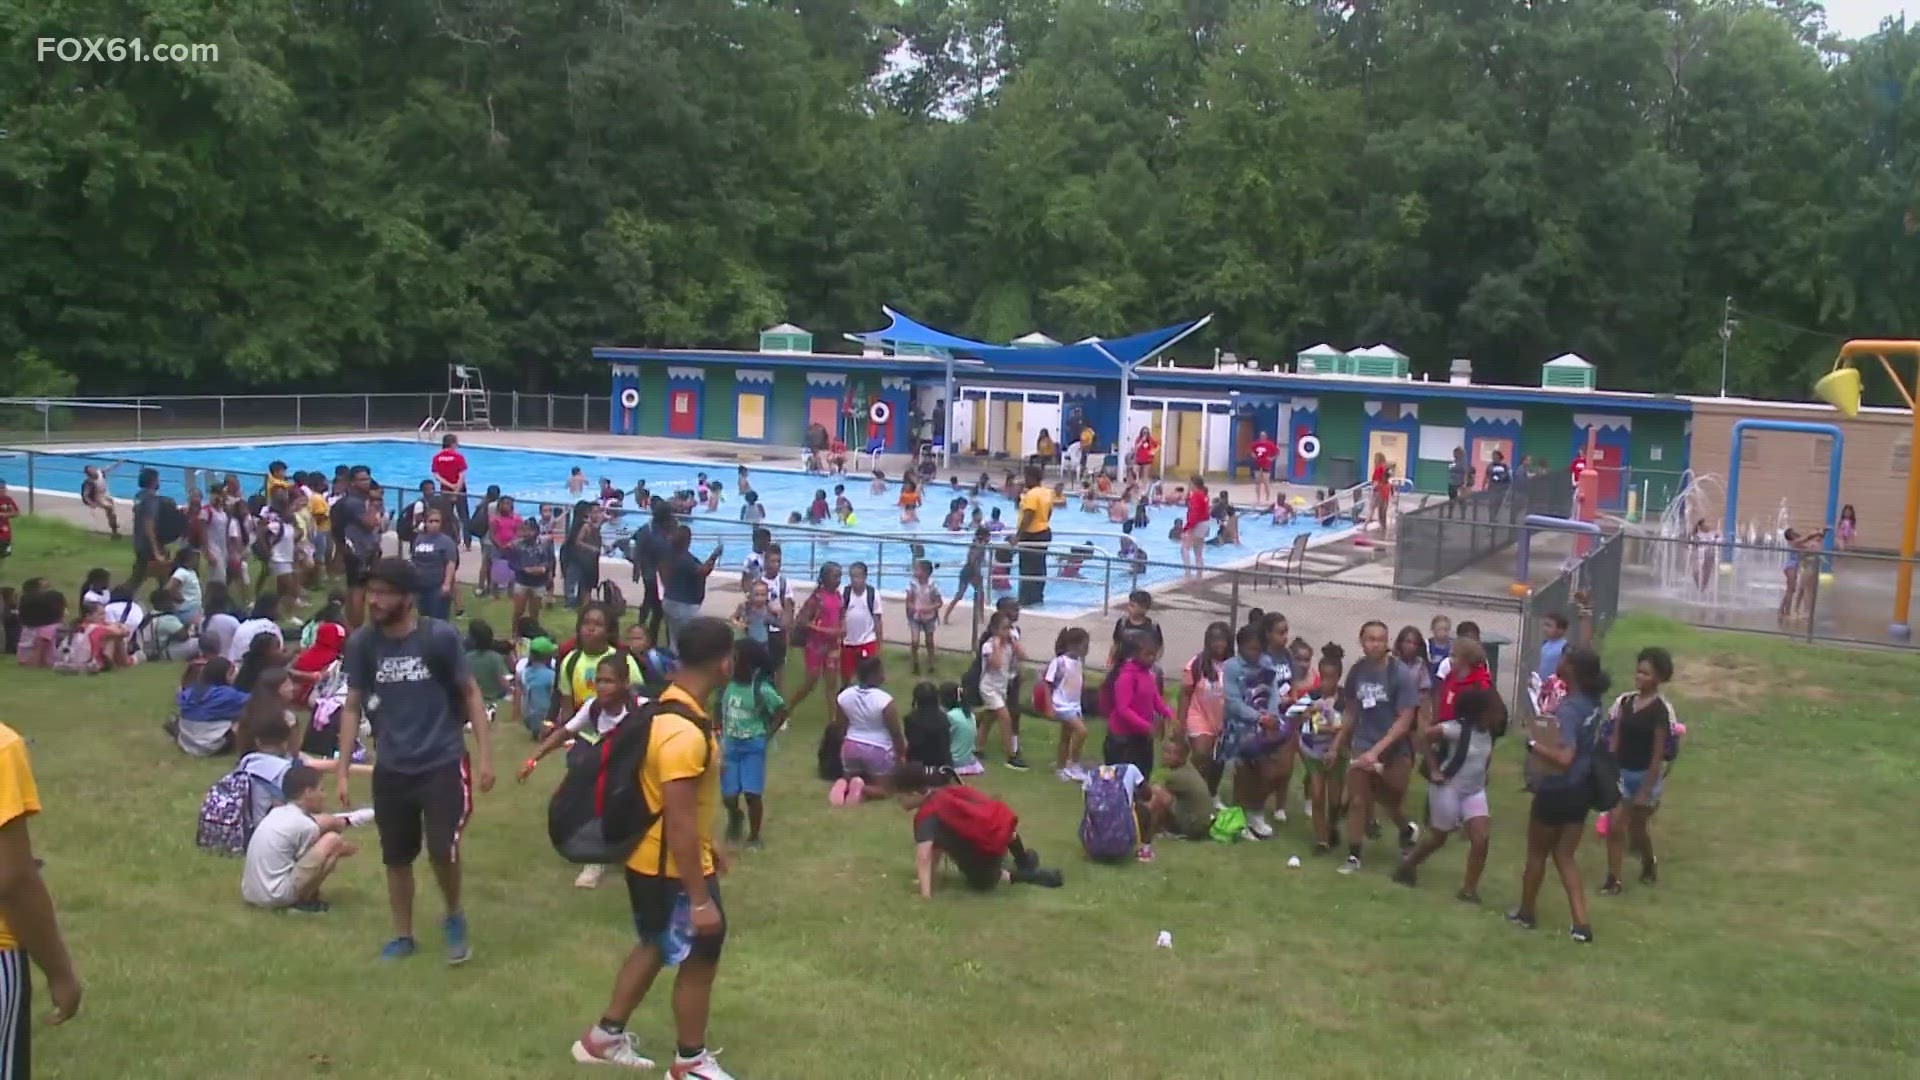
<point>536,476</point>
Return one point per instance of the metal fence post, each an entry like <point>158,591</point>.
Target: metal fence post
<point>514,407</point>
<point>29,481</point>
<point>584,406</point>
<point>879,563</point>
<point>1233,609</point>
<point>549,412</point>
<point>366,412</point>
<point>139,420</point>
<point>296,414</point>
<point>223,414</point>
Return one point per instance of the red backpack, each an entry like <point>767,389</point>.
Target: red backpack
<point>980,820</point>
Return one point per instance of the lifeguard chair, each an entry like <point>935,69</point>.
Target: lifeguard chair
<point>465,407</point>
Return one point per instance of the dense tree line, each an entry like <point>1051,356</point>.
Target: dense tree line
<point>358,190</point>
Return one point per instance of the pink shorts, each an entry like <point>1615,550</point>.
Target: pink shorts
<point>865,760</point>
<point>816,659</point>
<point>1202,725</point>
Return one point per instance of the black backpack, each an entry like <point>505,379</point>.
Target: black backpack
<point>1604,777</point>
<point>599,812</point>
<point>873,600</point>
<point>169,523</point>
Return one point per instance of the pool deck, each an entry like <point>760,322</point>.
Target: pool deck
<point>1326,609</point>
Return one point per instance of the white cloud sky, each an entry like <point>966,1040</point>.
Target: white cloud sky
<point>1858,18</point>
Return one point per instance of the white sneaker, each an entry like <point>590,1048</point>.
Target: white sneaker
<point>1309,812</point>
<point>1259,827</point>
<point>1351,866</point>
<point>1280,816</point>
<point>703,1067</point>
<point>1249,835</point>
<point>1218,805</point>
<point>1066,775</point>
<point>589,876</point>
<point>598,1048</point>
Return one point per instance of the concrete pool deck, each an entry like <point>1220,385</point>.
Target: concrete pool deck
<point>1325,609</point>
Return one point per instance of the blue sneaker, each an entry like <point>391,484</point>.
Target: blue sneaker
<point>455,927</point>
<point>398,949</point>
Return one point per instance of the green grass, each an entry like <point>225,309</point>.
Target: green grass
<point>1779,942</point>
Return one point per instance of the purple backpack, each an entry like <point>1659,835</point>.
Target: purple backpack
<point>1108,829</point>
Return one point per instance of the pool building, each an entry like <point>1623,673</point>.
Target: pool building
<point>1349,405</point>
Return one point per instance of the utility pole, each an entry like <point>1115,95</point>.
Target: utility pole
<point>1727,323</point>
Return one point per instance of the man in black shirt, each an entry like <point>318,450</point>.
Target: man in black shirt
<point>147,548</point>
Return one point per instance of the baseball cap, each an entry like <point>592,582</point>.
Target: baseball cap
<point>541,646</point>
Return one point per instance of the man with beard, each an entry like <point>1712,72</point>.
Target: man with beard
<point>409,676</point>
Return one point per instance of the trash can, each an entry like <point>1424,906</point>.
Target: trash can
<point>1493,643</point>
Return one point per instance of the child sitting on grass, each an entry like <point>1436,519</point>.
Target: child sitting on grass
<point>295,847</point>
<point>751,713</point>
<point>962,731</point>
<point>974,831</point>
<point>488,662</point>
<point>929,732</point>
<point>1178,802</point>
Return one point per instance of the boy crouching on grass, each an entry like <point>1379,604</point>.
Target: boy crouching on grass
<point>296,847</point>
<point>1178,802</point>
<point>973,830</point>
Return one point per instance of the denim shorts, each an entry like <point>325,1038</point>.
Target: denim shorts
<point>744,767</point>
<point>1632,780</point>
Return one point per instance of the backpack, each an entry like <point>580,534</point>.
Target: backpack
<point>226,815</point>
<point>169,523</point>
<point>873,600</point>
<point>1108,828</point>
<point>1227,825</point>
<point>599,813</point>
<point>74,654</point>
<point>977,819</point>
<point>1675,729</point>
<point>1603,780</point>
<point>262,540</point>
<point>803,619</point>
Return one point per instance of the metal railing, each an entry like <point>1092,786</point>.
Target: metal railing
<point>1439,540</point>
<point>164,416</point>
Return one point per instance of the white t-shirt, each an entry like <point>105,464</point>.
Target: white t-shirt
<point>189,583</point>
<point>607,720</point>
<point>778,591</point>
<point>862,625</point>
<point>1067,678</point>
<point>1129,777</point>
<point>244,634</point>
<point>995,676</point>
<point>283,836</point>
<point>127,614</point>
<point>96,596</point>
<point>216,540</point>
<point>283,536</point>
<point>865,708</point>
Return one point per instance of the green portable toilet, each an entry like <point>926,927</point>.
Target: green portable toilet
<point>1379,362</point>
<point>1322,359</point>
<point>785,338</point>
<point>1566,372</point>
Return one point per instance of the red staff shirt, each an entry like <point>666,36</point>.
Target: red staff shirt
<point>450,468</point>
<point>1450,687</point>
<point>1264,451</point>
<point>1199,509</point>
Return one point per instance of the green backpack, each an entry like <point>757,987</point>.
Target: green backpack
<point>1227,825</point>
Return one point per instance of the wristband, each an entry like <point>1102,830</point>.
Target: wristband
<point>532,763</point>
<point>703,907</point>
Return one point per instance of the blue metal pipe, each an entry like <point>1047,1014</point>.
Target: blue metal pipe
<point>1733,475</point>
<point>1524,556</point>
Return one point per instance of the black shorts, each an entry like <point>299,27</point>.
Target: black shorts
<point>1561,805</point>
<point>355,569</point>
<point>433,805</point>
<point>776,654</point>
<point>16,1015</point>
<point>652,896</point>
<point>1134,750</point>
<point>980,872</point>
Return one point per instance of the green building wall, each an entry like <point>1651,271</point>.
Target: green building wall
<point>653,399</point>
<point>1431,476</point>
<point>1342,420</point>
<point>1666,432</point>
<point>720,408</point>
<point>1546,434</point>
<point>787,407</point>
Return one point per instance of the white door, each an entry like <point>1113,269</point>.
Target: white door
<point>1218,454</point>
<point>960,426</point>
<point>1138,418</point>
<point>1041,414</point>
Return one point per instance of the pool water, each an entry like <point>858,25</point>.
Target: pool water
<point>540,476</point>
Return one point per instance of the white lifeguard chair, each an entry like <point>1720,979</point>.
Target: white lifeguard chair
<point>465,407</point>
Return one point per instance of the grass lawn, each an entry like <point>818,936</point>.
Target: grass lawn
<point>1779,942</point>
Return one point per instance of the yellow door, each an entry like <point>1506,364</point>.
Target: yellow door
<point>1393,444</point>
<point>750,422</point>
<point>1186,429</point>
<point>980,418</point>
<point>1010,441</point>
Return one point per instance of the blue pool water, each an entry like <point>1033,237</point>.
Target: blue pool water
<point>533,476</point>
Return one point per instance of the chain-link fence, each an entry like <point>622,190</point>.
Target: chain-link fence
<point>1845,596</point>
<point>1441,539</point>
<point>161,417</point>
